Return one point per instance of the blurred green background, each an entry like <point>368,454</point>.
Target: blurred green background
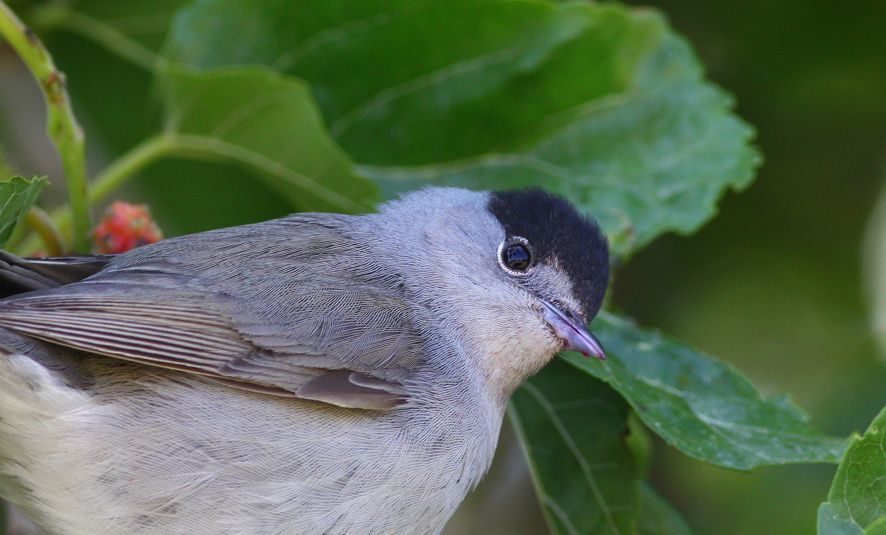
<point>775,285</point>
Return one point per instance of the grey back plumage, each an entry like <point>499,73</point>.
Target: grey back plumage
<point>268,307</point>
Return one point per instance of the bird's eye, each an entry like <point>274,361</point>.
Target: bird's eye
<point>515,256</point>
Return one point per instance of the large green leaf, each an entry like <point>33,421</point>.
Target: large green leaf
<point>266,122</point>
<point>17,195</point>
<point>599,102</point>
<point>857,499</point>
<point>700,405</point>
<point>134,29</point>
<point>573,430</point>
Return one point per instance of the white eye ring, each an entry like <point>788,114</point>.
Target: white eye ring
<point>500,255</point>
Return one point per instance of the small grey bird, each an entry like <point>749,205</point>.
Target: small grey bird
<point>319,373</point>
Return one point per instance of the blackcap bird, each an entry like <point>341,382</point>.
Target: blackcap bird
<point>316,374</point>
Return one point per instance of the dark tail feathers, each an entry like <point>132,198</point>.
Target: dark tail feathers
<point>19,275</point>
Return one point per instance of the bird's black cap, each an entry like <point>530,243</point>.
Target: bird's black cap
<point>555,230</point>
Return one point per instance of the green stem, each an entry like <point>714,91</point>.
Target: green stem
<point>198,147</point>
<point>45,227</point>
<point>192,147</point>
<point>115,175</point>
<point>64,131</point>
<point>127,165</point>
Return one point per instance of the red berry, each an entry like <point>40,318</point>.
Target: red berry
<point>125,226</point>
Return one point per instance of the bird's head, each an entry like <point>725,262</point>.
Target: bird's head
<point>517,275</point>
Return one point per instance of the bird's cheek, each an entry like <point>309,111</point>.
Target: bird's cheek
<point>534,345</point>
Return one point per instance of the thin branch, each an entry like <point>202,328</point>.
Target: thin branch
<point>115,175</point>
<point>45,227</point>
<point>128,164</point>
<point>63,129</point>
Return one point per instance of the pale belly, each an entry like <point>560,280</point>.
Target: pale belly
<point>145,451</point>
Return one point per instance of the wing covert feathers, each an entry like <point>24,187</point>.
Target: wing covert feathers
<point>274,308</point>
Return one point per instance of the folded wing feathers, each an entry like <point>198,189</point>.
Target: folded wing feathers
<point>194,339</point>
<point>306,348</point>
<point>180,337</point>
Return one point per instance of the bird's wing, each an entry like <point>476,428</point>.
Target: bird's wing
<point>245,307</point>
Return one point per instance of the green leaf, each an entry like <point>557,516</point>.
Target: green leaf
<point>599,102</point>
<point>133,30</point>
<point>639,440</point>
<point>831,522</point>
<point>700,405</point>
<point>857,499</point>
<point>658,517</point>
<point>267,122</point>
<point>17,195</point>
<point>572,428</point>
<point>121,119</point>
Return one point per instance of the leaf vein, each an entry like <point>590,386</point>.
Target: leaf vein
<point>573,449</point>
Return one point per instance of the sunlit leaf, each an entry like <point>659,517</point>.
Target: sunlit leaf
<point>700,405</point>
<point>857,499</point>
<point>877,527</point>
<point>831,522</point>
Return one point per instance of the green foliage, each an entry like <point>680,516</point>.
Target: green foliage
<point>657,517</point>
<point>266,121</point>
<point>601,103</point>
<point>857,500</point>
<point>134,29</point>
<point>17,195</point>
<point>572,428</point>
<point>700,405</point>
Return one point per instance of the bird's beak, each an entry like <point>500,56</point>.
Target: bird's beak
<point>574,334</point>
